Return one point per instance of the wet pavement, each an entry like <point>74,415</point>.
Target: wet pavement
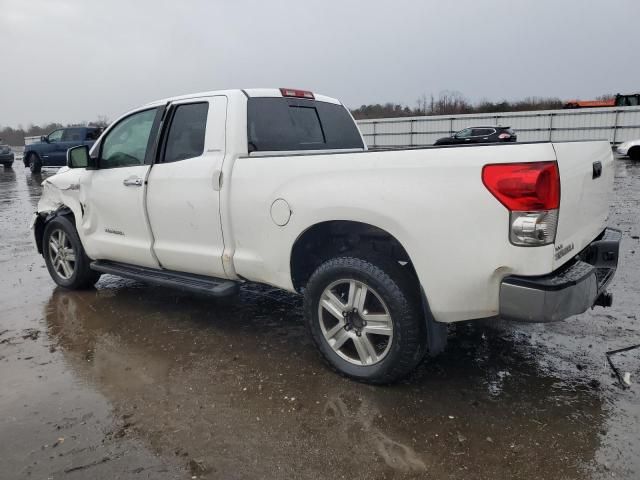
<point>132,381</point>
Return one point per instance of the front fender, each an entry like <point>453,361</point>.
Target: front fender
<point>41,221</point>
<point>60,196</point>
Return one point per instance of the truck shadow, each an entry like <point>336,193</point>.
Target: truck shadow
<point>238,387</point>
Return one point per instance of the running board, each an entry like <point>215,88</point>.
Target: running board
<point>211,286</point>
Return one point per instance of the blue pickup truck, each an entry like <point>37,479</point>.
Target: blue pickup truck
<point>51,150</point>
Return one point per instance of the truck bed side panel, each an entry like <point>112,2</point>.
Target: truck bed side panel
<point>432,200</point>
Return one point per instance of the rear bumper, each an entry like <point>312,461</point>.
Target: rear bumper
<point>7,157</point>
<point>568,291</point>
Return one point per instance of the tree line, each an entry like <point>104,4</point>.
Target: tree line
<point>454,103</point>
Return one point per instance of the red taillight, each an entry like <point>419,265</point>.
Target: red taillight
<point>504,136</point>
<point>292,92</point>
<point>524,186</point>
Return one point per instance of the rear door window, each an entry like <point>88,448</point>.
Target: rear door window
<point>73,135</point>
<point>482,132</point>
<point>290,124</point>
<point>186,132</point>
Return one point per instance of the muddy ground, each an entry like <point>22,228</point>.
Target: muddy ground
<point>132,381</point>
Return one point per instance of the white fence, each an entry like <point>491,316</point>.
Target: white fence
<point>616,124</point>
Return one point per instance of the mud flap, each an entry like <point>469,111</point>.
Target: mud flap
<point>436,331</point>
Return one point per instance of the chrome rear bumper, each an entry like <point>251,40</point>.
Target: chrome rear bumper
<point>568,291</point>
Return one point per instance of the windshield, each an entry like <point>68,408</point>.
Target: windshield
<point>290,124</point>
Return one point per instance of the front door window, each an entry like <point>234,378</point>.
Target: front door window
<point>55,136</point>
<point>466,133</point>
<point>126,144</point>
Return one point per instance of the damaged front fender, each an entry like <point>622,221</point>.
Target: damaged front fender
<point>59,197</point>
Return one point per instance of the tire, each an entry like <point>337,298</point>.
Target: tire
<point>8,165</point>
<point>391,297</point>
<point>34,162</point>
<point>634,153</point>
<point>72,274</point>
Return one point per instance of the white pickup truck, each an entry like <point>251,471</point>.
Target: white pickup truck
<point>207,191</point>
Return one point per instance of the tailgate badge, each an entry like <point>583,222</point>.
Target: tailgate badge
<point>597,169</point>
<point>562,250</point>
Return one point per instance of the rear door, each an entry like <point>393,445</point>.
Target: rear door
<point>184,187</point>
<point>586,182</point>
<point>114,223</point>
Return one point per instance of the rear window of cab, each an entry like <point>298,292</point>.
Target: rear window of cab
<point>277,124</point>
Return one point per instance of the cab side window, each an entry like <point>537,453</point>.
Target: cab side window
<point>72,135</point>
<point>482,132</point>
<point>186,132</point>
<point>126,144</point>
<point>464,133</point>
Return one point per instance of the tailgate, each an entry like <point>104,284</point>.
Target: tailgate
<point>586,182</point>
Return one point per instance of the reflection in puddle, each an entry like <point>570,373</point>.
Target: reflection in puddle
<point>237,388</point>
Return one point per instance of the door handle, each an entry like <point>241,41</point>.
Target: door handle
<point>132,182</point>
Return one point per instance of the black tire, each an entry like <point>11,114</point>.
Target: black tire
<point>8,165</point>
<point>34,162</point>
<point>81,276</point>
<point>398,291</point>
<point>634,153</point>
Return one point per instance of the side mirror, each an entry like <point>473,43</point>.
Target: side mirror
<point>44,139</point>
<point>78,157</point>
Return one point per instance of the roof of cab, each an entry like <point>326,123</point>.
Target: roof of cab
<point>249,92</point>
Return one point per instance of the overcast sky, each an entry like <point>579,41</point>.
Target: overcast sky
<point>72,60</point>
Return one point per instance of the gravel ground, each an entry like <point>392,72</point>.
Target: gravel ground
<point>132,381</point>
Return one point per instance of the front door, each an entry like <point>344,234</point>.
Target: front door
<point>114,224</point>
<point>52,152</point>
<point>183,201</point>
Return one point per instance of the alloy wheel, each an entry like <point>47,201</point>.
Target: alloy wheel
<point>62,254</point>
<point>355,322</point>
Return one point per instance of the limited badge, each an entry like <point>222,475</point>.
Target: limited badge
<point>561,250</point>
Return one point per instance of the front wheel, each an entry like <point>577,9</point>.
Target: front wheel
<point>364,316</point>
<point>35,164</point>
<point>64,255</point>
<point>634,153</point>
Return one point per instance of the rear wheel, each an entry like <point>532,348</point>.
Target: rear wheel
<point>634,153</point>
<point>365,319</point>
<point>8,165</point>
<point>64,255</point>
<point>34,162</point>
